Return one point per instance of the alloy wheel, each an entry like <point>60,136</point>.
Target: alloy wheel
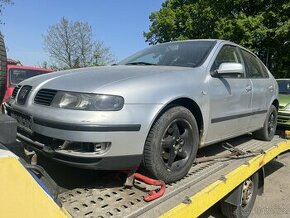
<point>271,123</point>
<point>176,144</point>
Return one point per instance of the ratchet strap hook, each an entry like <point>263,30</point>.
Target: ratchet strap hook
<point>153,194</point>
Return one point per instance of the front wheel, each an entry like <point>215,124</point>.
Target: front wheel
<point>268,131</point>
<point>171,145</point>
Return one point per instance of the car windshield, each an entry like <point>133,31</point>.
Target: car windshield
<point>284,86</point>
<point>182,53</point>
<point>18,75</point>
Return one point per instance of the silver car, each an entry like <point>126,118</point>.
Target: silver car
<point>155,108</point>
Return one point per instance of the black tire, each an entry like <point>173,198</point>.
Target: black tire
<point>268,131</point>
<point>3,68</point>
<point>248,200</point>
<point>171,145</point>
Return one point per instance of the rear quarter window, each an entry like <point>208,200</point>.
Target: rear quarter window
<point>264,70</point>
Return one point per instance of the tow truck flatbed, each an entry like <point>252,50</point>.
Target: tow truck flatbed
<point>205,184</point>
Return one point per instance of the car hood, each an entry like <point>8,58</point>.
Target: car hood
<point>284,100</point>
<point>91,79</point>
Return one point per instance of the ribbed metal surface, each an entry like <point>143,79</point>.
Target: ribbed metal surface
<point>121,202</point>
<point>45,96</point>
<point>108,202</point>
<point>15,91</point>
<point>110,199</point>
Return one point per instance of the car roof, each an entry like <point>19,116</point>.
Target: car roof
<point>218,41</point>
<point>210,40</point>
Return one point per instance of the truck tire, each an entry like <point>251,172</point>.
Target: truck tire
<point>3,68</point>
<point>171,145</point>
<point>268,131</point>
<point>249,194</point>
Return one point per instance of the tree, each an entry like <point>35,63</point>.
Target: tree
<point>102,55</point>
<point>71,45</point>
<point>3,4</point>
<point>262,26</point>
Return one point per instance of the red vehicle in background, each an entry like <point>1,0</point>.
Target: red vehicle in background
<point>17,73</point>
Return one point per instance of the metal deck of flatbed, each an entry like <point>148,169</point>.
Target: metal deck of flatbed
<point>111,199</point>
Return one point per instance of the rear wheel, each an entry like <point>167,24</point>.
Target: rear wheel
<point>248,198</point>
<point>268,131</point>
<point>171,145</point>
<point>3,68</point>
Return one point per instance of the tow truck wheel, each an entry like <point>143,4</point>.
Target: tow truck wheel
<point>248,197</point>
<point>171,145</point>
<point>3,60</point>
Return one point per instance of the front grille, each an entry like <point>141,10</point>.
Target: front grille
<point>283,119</point>
<point>15,91</point>
<point>45,96</point>
<point>23,94</point>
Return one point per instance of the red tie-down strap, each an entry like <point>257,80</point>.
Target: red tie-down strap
<point>153,194</point>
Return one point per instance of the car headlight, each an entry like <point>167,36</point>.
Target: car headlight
<point>89,102</point>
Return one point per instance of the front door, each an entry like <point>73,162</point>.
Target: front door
<point>230,99</point>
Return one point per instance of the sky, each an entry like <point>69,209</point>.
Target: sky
<point>119,24</point>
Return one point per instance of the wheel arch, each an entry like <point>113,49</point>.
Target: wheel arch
<point>188,103</point>
<point>276,104</point>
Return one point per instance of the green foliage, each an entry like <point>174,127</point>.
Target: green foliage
<point>262,26</point>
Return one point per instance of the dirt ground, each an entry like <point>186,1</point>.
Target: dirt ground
<point>275,202</point>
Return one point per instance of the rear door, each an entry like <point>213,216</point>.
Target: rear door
<point>230,98</point>
<point>263,89</point>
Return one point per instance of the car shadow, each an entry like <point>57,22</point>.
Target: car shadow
<point>219,147</point>
<point>68,177</point>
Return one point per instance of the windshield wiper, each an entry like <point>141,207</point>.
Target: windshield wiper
<point>139,63</point>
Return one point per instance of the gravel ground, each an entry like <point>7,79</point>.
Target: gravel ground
<point>275,202</point>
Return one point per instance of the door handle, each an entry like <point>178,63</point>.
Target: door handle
<point>248,88</point>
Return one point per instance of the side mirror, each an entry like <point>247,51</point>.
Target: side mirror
<point>229,68</point>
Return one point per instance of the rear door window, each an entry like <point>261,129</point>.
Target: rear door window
<point>253,66</point>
